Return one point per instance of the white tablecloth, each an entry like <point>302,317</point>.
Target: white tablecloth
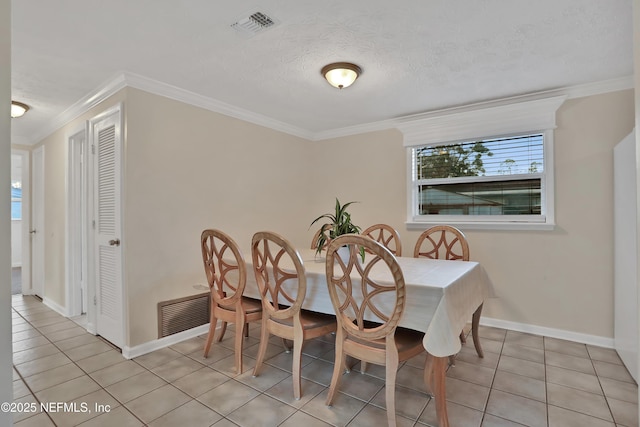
<point>441,295</point>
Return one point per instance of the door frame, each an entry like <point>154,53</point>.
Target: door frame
<point>26,219</point>
<point>92,270</point>
<point>38,199</point>
<point>76,227</point>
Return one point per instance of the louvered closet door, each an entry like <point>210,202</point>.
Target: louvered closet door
<point>107,154</point>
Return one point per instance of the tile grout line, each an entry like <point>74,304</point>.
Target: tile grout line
<point>486,404</point>
<point>193,356</point>
<point>74,362</point>
<point>546,389</point>
<point>25,383</point>
<point>606,398</point>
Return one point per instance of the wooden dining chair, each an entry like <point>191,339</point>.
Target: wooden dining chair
<point>367,323</point>
<point>442,242</point>
<point>387,236</point>
<point>226,273</point>
<point>448,242</point>
<point>283,285</point>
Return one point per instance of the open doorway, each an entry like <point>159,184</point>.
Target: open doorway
<point>16,224</point>
<point>20,220</point>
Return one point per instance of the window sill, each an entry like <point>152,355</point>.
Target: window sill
<point>513,226</point>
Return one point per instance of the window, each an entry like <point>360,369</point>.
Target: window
<point>16,201</point>
<point>460,175</point>
<point>484,179</point>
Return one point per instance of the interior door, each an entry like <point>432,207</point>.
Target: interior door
<point>625,270</point>
<point>37,225</point>
<point>106,149</point>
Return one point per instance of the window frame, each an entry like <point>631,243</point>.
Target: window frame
<point>544,221</point>
<point>482,122</point>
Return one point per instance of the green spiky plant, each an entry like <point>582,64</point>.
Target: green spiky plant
<point>340,223</point>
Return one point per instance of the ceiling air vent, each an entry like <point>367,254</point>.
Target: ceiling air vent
<point>254,24</point>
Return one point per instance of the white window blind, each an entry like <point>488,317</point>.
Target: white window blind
<point>488,165</point>
<point>491,177</point>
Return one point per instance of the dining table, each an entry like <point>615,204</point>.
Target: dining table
<point>441,296</point>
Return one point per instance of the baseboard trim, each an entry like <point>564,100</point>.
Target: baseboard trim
<point>55,306</point>
<point>549,332</point>
<point>148,347</point>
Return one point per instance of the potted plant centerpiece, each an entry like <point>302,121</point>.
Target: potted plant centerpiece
<point>339,224</point>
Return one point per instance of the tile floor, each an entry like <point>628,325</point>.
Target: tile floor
<point>523,380</point>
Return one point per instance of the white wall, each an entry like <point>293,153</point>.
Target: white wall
<point>636,63</point>
<point>6,372</point>
<point>16,242</point>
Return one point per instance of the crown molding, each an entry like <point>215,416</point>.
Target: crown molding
<point>178,94</point>
<point>354,130</point>
<point>597,88</point>
<point>80,107</point>
<point>570,92</point>
<point>125,79</point>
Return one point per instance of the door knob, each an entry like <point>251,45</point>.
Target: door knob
<point>32,231</point>
<point>114,242</point>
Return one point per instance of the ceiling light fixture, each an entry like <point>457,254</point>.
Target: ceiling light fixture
<point>18,109</point>
<point>341,74</point>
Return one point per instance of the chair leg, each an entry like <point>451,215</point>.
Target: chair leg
<point>391,370</point>
<point>223,329</point>
<point>463,338</point>
<point>262,350</point>
<point>452,360</point>
<point>285,344</point>
<point>363,366</point>
<point>338,370</point>
<point>246,330</point>
<point>475,322</point>
<point>239,341</point>
<point>297,359</point>
<point>428,374</point>
<point>212,330</point>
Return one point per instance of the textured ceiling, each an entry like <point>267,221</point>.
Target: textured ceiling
<point>417,55</point>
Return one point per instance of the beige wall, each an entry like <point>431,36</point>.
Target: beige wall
<point>559,279</point>
<point>187,169</point>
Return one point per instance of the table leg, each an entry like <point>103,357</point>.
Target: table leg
<point>438,387</point>
<point>475,321</point>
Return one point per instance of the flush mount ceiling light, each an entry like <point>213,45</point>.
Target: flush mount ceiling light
<point>18,109</point>
<point>341,74</point>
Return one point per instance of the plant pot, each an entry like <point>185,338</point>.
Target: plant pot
<point>343,253</point>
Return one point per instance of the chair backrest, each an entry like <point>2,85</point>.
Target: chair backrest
<point>225,267</point>
<point>324,229</point>
<point>360,298</point>
<point>442,242</point>
<point>386,235</point>
<point>279,273</point>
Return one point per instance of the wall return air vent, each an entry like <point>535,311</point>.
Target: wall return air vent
<point>253,24</point>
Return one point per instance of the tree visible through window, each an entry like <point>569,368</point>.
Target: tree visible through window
<point>490,177</point>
